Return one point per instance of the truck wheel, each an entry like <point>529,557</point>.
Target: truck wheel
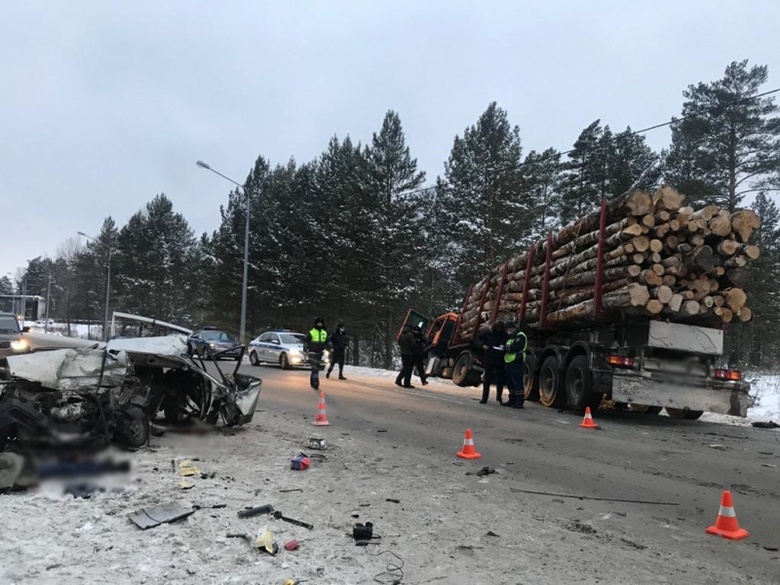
<point>579,384</point>
<point>645,408</point>
<point>550,383</point>
<point>683,413</point>
<point>530,381</point>
<point>461,373</point>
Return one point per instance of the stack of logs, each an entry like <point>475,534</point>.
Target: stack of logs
<point>661,260</point>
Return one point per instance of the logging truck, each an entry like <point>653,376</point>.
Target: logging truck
<point>627,306</point>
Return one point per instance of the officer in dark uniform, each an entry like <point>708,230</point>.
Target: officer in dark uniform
<point>316,343</point>
<point>339,341</point>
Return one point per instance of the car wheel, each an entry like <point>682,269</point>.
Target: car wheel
<point>253,358</point>
<point>133,429</point>
<point>284,362</point>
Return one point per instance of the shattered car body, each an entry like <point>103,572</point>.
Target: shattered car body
<point>110,393</point>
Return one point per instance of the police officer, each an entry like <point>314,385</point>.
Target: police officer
<point>514,358</point>
<point>317,342</point>
<point>339,341</point>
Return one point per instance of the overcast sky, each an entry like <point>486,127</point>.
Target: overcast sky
<point>104,104</point>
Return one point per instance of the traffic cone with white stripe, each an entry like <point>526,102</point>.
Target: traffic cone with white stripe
<point>726,524</point>
<point>321,420</point>
<point>468,451</point>
<point>588,422</point>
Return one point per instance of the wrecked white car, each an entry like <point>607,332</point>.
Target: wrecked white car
<point>109,394</point>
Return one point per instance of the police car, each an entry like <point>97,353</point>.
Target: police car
<point>283,347</point>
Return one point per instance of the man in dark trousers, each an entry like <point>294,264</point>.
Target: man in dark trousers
<point>419,354</point>
<point>339,341</point>
<point>514,359</point>
<point>406,343</point>
<point>492,342</point>
<point>316,343</point>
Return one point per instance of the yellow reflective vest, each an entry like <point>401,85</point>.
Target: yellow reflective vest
<point>516,346</point>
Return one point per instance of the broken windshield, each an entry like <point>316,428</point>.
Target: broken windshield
<point>8,325</point>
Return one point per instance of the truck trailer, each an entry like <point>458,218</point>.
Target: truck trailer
<point>638,356</point>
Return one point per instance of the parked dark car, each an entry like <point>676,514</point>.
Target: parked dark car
<point>209,341</point>
<point>12,341</point>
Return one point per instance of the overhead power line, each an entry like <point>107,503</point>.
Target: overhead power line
<point>634,133</point>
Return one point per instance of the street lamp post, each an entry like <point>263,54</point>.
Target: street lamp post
<point>108,281</point>
<point>242,327</point>
<point>48,302</point>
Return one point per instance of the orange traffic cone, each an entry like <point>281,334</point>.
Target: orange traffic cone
<point>726,524</point>
<point>587,422</point>
<point>468,451</point>
<point>321,420</point>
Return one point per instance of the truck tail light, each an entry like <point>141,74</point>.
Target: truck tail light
<point>620,361</point>
<point>728,374</point>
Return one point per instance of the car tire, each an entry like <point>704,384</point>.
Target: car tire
<point>133,429</point>
<point>253,358</point>
<point>284,362</point>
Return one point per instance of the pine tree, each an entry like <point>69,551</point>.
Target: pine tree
<point>6,286</point>
<point>764,348</point>
<point>726,144</point>
<point>631,164</point>
<point>154,261</point>
<point>482,205</point>
<point>585,180</point>
<point>541,182</point>
<point>395,243</point>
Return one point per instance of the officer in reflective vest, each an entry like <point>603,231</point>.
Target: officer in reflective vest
<point>316,342</point>
<point>514,359</point>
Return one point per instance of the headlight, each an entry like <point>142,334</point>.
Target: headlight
<point>20,345</point>
<point>295,351</point>
<point>212,345</point>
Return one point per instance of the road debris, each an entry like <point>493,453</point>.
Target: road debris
<point>160,514</point>
<point>482,472</point>
<point>765,424</point>
<point>300,462</point>
<point>256,511</point>
<point>279,516</point>
<point>315,443</point>
<point>595,498</point>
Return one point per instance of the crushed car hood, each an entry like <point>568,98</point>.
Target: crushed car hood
<point>79,369</point>
<point>70,369</point>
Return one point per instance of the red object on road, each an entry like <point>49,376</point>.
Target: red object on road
<point>321,420</point>
<point>588,422</point>
<point>468,451</point>
<point>726,524</point>
<point>292,545</point>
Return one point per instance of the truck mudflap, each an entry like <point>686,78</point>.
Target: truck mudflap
<point>719,397</point>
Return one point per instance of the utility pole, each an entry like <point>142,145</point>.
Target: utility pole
<point>48,302</point>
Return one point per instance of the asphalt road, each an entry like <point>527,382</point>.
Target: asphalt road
<point>633,457</point>
<point>679,466</point>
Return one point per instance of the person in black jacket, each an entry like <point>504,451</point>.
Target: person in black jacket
<point>419,354</point>
<point>339,341</point>
<point>406,343</point>
<point>492,342</point>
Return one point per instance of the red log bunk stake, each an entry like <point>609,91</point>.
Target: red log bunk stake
<point>528,266</point>
<point>482,302</point>
<point>546,284</point>
<point>501,284</point>
<point>598,313</point>
<point>459,320</point>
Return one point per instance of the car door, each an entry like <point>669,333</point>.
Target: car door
<point>261,349</point>
<point>194,342</point>
<point>274,348</point>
